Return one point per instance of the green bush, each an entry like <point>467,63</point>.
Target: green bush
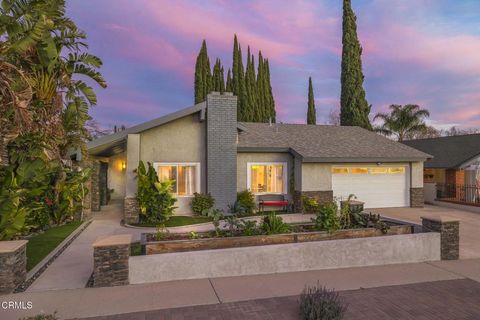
<point>245,203</point>
<point>201,202</point>
<point>216,215</point>
<point>249,227</point>
<point>272,224</point>
<point>310,205</point>
<point>326,217</point>
<point>155,198</point>
<point>319,303</point>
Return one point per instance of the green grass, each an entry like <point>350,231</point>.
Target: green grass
<point>39,246</point>
<point>177,221</point>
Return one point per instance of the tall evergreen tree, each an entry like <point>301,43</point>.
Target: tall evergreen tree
<point>203,75</point>
<point>218,77</point>
<point>311,112</point>
<point>228,86</point>
<point>354,106</point>
<point>270,101</point>
<point>238,80</point>
<point>251,110</point>
<point>261,90</point>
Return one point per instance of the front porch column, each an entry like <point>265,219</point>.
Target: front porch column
<point>130,209</point>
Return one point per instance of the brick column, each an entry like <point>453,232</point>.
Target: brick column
<point>13,265</point>
<point>449,235</point>
<point>110,261</point>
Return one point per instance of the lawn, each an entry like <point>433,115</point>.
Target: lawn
<point>39,246</point>
<point>177,221</point>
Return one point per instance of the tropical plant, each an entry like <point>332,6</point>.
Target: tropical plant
<point>233,223</point>
<point>12,214</point>
<point>402,121</point>
<point>201,202</point>
<point>245,203</point>
<point>272,224</point>
<point>319,303</point>
<point>326,217</point>
<point>216,215</point>
<point>155,198</point>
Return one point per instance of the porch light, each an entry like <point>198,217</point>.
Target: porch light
<point>124,165</point>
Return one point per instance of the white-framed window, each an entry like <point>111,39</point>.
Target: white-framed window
<point>186,176</point>
<point>267,177</point>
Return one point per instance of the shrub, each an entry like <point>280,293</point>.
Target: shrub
<point>310,205</point>
<point>232,223</point>
<point>201,202</point>
<point>249,227</point>
<point>216,215</point>
<point>319,303</point>
<point>245,203</point>
<point>326,217</point>
<point>155,199</point>
<point>272,224</point>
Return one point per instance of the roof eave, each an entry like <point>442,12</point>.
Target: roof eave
<point>362,159</point>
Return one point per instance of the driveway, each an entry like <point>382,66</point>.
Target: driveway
<point>469,224</point>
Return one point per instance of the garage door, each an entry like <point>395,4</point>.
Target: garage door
<point>378,187</point>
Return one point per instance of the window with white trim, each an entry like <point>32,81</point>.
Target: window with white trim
<point>268,177</point>
<point>186,177</point>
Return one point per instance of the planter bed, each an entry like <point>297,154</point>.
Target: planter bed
<point>183,242</point>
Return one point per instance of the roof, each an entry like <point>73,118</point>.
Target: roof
<point>324,143</point>
<point>111,144</point>
<point>448,152</point>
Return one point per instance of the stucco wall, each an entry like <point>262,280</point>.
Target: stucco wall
<point>244,158</point>
<point>417,174</point>
<point>316,177</point>
<point>116,175</point>
<point>316,255</point>
<point>182,140</point>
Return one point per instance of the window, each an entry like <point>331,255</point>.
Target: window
<point>359,170</point>
<point>379,170</point>
<point>396,170</point>
<point>185,175</point>
<point>339,170</point>
<point>267,177</point>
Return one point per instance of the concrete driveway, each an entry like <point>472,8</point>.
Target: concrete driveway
<point>469,224</point>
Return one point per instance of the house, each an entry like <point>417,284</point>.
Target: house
<point>204,149</point>
<point>454,171</point>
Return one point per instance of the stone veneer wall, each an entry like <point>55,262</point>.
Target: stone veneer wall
<point>110,261</point>
<point>320,196</point>
<point>13,265</point>
<point>417,199</point>
<point>449,235</point>
<point>95,186</point>
<point>130,210</point>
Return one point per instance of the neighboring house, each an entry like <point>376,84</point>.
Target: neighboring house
<point>454,171</point>
<point>204,149</point>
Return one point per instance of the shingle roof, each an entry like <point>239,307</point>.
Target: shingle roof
<point>448,152</point>
<point>322,143</point>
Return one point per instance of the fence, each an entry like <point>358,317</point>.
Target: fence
<point>469,194</point>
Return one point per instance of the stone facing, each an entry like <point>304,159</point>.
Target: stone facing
<point>13,265</point>
<point>449,235</point>
<point>130,210</point>
<point>110,261</point>
<point>417,199</point>
<point>222,148</point>
<point>95,186</point>
<point>320,196</point>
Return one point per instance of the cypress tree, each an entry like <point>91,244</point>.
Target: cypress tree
<point>218,77</point>
<point>228,86</point>
<point>270,101</point>
<point>203,76</point>
<point>354,108</point>
<point>261,90</point>
<point>311,112</point>
<point>238,80</point>
<point>251,112</point>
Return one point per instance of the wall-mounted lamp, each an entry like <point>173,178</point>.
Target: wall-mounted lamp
<point>124,165</point>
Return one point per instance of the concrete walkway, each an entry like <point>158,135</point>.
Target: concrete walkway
<point>90,302</point>
<point>469,224</point>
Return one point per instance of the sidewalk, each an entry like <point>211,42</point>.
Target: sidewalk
<point>91,302</point>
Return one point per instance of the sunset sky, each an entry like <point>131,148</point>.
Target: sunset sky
<point>425,52</point>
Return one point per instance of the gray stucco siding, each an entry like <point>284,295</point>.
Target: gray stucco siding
<point>116,175</point>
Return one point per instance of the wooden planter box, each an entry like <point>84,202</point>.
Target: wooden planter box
<point>154,247</point>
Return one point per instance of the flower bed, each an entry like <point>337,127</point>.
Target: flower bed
<point>207,241</point>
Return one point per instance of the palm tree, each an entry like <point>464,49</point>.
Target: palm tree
<point>402,121</point>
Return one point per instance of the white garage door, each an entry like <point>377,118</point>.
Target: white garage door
<point>378,187</point>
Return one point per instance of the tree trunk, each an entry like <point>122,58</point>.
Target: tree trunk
<point>3,153</point>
